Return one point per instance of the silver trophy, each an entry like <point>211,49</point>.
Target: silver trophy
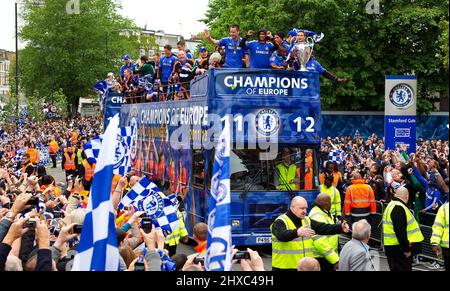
<point>303,53</point>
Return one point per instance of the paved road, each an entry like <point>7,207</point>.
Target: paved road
<point>379,258</point>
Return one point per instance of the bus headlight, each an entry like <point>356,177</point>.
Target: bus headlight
<point>235,223</point>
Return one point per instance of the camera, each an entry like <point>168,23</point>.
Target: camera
<point>242,255</point>
<point>147,224</point>
<point>58,214</point>
<point>77,229</point>
<point>31,224</point>
<point>199,260</point>
<point>33,201</point>
<point>139,265</point>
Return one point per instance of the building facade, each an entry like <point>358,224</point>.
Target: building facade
<point>163,39</point>
<point>5,66</point>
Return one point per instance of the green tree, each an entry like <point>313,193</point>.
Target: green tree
<point>71,51</point>
<point>363,47</point>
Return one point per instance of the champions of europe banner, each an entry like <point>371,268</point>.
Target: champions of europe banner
<point>256,83</point>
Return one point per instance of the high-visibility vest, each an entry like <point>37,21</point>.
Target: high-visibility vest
<point>54,147</point>
<point>359,200</point>
<point>79,156</point>
<point>324,246</point>
<point>285,176</point>
<point>440,227</point>
<point>34,155</point>
<point>309,175</point>
<point>88,170</point>
<point>70,162</point>
<point>174,238</point>
<point>336,207</point>
<point>286,255</point>
<point>412,229</point>
<point>74,137</point>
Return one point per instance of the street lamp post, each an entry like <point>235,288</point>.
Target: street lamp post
<point>17,62</point>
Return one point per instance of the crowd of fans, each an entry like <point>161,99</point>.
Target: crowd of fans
<point>168,75</point>
<point>424,172</point>
<point>45,236</point>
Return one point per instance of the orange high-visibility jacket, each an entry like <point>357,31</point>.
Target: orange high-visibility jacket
<point>69,162</point>
<point>359,199</point>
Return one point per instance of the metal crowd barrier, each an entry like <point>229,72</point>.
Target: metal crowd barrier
<point>376,223</point>
<point>427,232</point>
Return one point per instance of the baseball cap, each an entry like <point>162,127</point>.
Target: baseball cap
<point>126,57</point>
<point>202,49</point>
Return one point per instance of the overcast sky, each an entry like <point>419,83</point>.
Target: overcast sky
<point>158,15</point>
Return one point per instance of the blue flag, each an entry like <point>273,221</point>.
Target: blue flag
<point>147,197</point>
<point>122,161</point>
<point>98,250</point>
<point>218,254</point>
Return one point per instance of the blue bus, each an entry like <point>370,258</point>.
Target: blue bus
<point>275,118</point>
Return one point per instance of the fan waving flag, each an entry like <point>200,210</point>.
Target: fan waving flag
<point>147,197</point>
<point>98,250</point>
<point>122,162</point>
<point>218,254</point>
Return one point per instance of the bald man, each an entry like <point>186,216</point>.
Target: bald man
<point>292,235</point>
<point>308,265</point>
<point>325,248</point>
<point>401,232</point>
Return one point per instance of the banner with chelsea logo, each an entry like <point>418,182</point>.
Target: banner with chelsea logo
<point>401,112</point>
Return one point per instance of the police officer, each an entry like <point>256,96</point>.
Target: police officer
<point>292,235</point>
<point>439,239</point>
<point>401,233</point>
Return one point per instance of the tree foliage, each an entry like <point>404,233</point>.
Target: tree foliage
<point>71,51</point>
<point>404,38</point>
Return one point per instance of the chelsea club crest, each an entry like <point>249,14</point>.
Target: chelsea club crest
<point>153,205</point>
<point>402,96</point>
<point>267,122</point>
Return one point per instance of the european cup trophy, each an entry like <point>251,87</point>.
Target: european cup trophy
<point>303,53</point>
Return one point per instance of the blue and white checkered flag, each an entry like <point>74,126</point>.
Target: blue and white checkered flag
<point>19,155</point>
<point>98,250</point>
<point>122,162</point>
<point>18,173</point>
<point>219,244</point>
<point>336,156</point>
<point>147,197</point>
